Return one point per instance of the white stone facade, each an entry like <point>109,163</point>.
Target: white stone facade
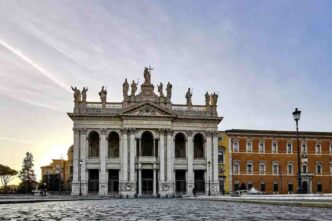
<point>145,145</point>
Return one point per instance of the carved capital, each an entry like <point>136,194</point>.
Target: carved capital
<point>76,130</point>
<point>189,133</point>
<point>208,133</point>
<point>169,131</point>
<point>132,130</point>
<point>124,131</point>
<point>103,131</point>
<point>83,131</point>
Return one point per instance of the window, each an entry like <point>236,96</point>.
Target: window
<point>237,168</point>
<point>262,168</point>
<point>304,168</point>
<point>318,149</point>
<point>290,188</point>
<point>236,147</point>
<point>304,148</point>
<point>319,170</point>
<point>275,187</point>
<point>249,169</point>
<point>249,186</point>
<point>261,147</point>
<point>249,147</point>
<point>275,168</point>
<point>289,148</point>
<point>221,156</point>
<point>262,187</point>
<point>331,148</point>
<point>290,169</point>
<point>319,188</point>
<point>236,186</point>
<point>330,168</point>
<point>274,147</point>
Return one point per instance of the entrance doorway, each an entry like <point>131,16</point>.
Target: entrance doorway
<point>199,181</point>
<point>147,182</point>
<point>305,187</point>
<point>180,182</point>
<point>93,185</point>
<point>113,182</point>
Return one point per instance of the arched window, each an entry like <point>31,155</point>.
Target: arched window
<point>180,146</point>
<point>94,144</point>
<point>147,144</point>
<point>198,146</point>
<point>113,144</point>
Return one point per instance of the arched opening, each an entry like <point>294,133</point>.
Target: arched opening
<point>94,144</point>
<point>147,144</point>
<point>198,146</point>
<point>113,144</point>
<point>180,146</point>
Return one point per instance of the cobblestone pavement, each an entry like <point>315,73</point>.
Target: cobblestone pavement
<point>157,209</point>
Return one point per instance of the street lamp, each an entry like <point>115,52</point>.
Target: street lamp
<point>209,178</point>
<point>297,115</point>
<point>80,178</point>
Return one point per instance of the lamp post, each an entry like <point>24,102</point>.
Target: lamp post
<point>297,115</point>
<point>80,179</point>
<point>209,178</point>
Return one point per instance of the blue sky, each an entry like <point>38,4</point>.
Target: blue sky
<point>264,58</point>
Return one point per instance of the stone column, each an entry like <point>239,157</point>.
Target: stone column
<point>154,181</point>
<point>162,156</point>
<point>215,166</point>
<point>132,155</point>
<point>170,163</point>
<point>76,164</point>
<point>208,147</point>
<point>83,170</point>
<point>169,155</point>
<point>121,158</point>
<point>139,180</point>
<point>125,156</point>
<point>102,158</point>
<point>190,157</point>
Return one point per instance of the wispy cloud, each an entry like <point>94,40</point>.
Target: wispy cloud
<point>41,70</point>
<point>28,101</point>
<point>16,140</point>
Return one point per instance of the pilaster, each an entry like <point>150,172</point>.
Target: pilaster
<point>76,165</point>
<point>102,158</point>
<point>190,156</point>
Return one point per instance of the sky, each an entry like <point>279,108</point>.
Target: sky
<point>263,58</point>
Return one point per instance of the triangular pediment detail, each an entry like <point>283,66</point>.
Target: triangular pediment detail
<point>147,109</point>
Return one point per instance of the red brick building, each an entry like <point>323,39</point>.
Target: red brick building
<point>267,160</point>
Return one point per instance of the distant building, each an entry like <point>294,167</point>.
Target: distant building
<point>60,166</point>
<point>267,160</point>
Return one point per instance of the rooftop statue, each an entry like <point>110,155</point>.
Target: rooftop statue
<point>125,88</point>
<point>160,89</point>
<point>169,90</point>
<point>133,88</point>
<point>103,94</point>
<point>188,97</point>
<point>207,99</point>
<point>77,94</point>
<point>147,75</point>
<point>85,89</point>
<point>214,99</point>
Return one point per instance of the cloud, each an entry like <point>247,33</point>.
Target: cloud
<point>36,66</point>
<point>16,140</point>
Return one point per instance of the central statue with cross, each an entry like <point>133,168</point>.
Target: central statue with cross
<point>147,75</point>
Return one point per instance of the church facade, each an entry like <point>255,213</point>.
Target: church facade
<point>145,145</point>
